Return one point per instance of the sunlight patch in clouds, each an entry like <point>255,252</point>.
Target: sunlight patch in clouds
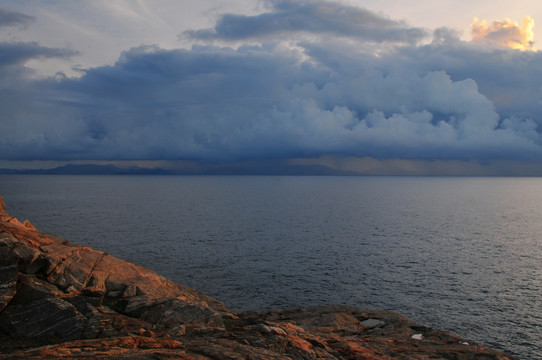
<point>505,33</point>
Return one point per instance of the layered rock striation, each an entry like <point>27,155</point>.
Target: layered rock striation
<point>63,300</point>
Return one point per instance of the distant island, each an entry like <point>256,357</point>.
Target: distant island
<point>264,168</point>
<point>88,169</point>
<point>60,300</point>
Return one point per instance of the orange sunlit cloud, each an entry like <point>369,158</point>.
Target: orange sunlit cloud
<point>505,33</point>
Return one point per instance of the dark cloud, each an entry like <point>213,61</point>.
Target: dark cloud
<point>16,77</point>
<point>11,18</point>
<point>19,53</point>
<point>314,17</point>
<point>448,100</point>
<point>219,104</point>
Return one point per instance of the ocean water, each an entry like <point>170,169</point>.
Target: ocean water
<point>458,254</point>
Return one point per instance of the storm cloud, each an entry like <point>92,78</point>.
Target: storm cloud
<point>345,94</point>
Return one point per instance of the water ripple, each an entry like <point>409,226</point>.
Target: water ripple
<point>459,254</point>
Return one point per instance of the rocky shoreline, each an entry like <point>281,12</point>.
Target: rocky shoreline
<point>60,300</point>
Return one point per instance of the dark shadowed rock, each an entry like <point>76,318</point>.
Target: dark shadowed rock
<point>50,316</point>
<point>62,300</point>
<point>8,283</point>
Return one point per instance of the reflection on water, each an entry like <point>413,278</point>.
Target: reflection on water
<point>459,254</point>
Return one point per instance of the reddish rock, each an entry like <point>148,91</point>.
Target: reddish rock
<point>60,300</point>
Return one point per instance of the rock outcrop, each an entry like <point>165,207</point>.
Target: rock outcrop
<point>62,300</point>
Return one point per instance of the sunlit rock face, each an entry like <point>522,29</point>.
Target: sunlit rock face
<point>63,300</point>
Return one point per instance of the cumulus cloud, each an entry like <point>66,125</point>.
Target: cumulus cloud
<point>505,33</point>
<point>11,18</point>
<point>510,79</point>
<point>446,100</point>
<point>311,17</point>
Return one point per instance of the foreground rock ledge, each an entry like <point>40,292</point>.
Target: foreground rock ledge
<point>62,300</point>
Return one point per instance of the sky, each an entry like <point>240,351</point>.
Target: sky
<point>390,87</point>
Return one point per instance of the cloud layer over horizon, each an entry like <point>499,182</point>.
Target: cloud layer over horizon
<point>301,80</point>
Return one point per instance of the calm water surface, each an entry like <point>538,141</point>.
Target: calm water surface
<point>458,254</point>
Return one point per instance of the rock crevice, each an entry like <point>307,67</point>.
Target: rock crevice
<point>63,300</point>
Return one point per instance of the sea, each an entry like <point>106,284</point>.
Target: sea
<point>461,254</point>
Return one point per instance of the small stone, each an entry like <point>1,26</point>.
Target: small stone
<point>27,224</point>
<point>149,333</point>
<point>179,330</point>
<point>371,323</point>
<point>70,289</point>
<point>261,328</point>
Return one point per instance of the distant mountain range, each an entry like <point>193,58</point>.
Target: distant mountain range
<point>91,169</point>
<point>261,169</point>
